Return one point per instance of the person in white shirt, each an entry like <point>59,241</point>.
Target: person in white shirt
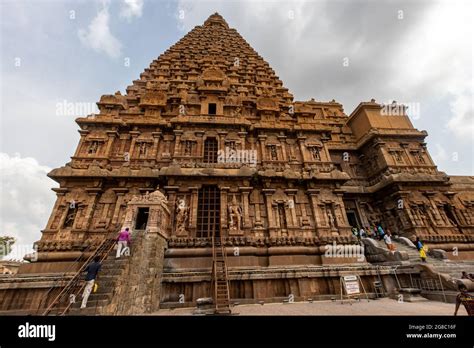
<point>388,242</point>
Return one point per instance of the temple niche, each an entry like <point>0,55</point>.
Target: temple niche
<point>208,142</point>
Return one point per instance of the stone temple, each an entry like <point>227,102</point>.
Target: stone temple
<point>209,143</point>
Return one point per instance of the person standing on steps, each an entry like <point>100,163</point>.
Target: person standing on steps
<point>92,270</point>
<point>421,249</point>
<point>123,242</point>
<point>381,232</point>
<point>388,242</point>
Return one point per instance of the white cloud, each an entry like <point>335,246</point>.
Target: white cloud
<point>26,200</point>
<point>440,59</point>
<point>131,8</point>
<point>98,36</point>
<point>462,120</point>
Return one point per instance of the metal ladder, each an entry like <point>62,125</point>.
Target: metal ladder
<point>220,279</point>
<point>76,285</point>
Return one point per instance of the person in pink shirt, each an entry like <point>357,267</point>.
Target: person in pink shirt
<point>123,242</point>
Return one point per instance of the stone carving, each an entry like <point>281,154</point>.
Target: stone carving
<point>331,219</point>
<point>182,215</point>
<point>235,216</point>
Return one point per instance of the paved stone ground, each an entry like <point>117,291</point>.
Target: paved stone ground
<point>383,306</point>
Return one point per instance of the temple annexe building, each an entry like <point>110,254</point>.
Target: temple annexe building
<point>208,142</point>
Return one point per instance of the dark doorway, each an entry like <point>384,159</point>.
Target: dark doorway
<point>142,218</point>
<point>449,213</point>
<point>352,217</point>
<point>209,207</point>
<point>210,150</point>
<point>212,110</point>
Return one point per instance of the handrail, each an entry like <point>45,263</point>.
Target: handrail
<point>76,278</point>
<point>61,279</point>
<point>102,258</point>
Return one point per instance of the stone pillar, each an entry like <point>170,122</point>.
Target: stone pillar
<point>63,217</point>
<point>318,215</point>
<point>291,193</point>
<point>258,216</point>
<point>405,149</point>
<point>437,215</point>
<point>123,138</point>
<point>261,140</point>
<point>282,139</point>
<point>385,156</point>
<point>111,137</point>
<point>60,194</point>
<point>242,136</point>
<point>171,193</point>
<point>301,141</point>
<point>222,140</point>
<point>177,142</point>
<point>224,191</point>
<point>134,135</point>
<point>83,134</point>
<point>193,207</point>
<point>167,138</point>
<point>304,215</point>
<point>341,211</point>
<point>268,203</point>
<point>291,143</point>
<point>118,204</point>
<point>245,191</point>
<point>93,194</point>
<point>200,147</point>
<point>363,218</point>
<point>156,144</point>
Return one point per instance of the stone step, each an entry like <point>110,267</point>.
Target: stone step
<point>98,296</point>
<point>92,302</point>
<point>85,311</point>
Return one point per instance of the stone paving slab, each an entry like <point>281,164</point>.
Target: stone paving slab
<point>383,306</point>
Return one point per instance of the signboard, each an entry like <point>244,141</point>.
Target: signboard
<point>351,286</point>
<point>351,283</point>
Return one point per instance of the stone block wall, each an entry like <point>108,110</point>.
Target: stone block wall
<point>138,289</point>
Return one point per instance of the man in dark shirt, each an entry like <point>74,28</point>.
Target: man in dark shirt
<point>92,270</point>
<point>466,299</point>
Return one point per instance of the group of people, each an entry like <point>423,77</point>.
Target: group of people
<point>375,232</point>
<point>92,269</point>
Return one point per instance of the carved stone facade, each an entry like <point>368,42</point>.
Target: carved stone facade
<point>190,124</point>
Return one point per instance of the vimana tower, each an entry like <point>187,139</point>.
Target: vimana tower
<point>208,145</point>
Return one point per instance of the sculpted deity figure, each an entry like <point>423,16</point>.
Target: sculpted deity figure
<point>332,224</point>
<point>235,216</point>
<point>182,214</point>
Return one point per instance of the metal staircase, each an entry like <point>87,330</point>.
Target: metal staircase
<point>220,279</point>
<point>73,289</point>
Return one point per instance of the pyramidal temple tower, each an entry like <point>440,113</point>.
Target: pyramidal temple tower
<point>209,145</point>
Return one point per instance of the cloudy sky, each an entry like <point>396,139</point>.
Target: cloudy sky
<point>54,53</point>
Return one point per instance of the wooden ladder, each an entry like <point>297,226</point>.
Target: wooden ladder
<point>220,279</point>
<point>75,286</point>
